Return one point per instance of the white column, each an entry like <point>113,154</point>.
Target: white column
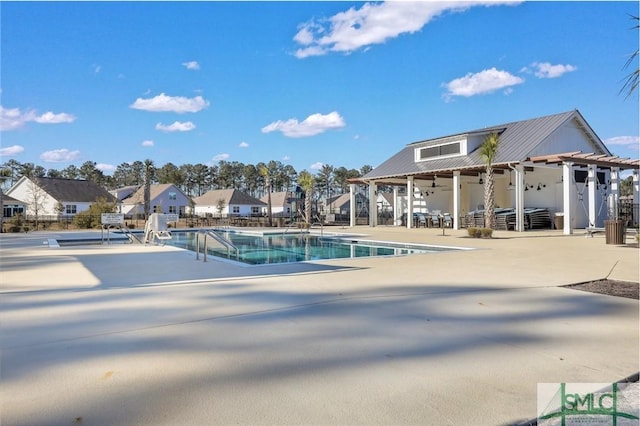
<point>636,188</point>
<point>352,205</point>
<point>396,207</point>
<point>456,199</point>
<point>615,182</point>
<point>519,198</point>
<point>636,196</point>
<point>410,202</point>
<point>591,182</point>
<point>567,197</point>
<point>373,205</point>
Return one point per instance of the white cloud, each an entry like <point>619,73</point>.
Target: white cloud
<point>10,151</point>
<point>486,81</point>
<point>286,158</point>
<point>316,166</point>
<point>147,143</point>
<point>59,156</point>
<point>310,126</point>
<point>96,68</point>
<point>13,118</point>
<point>177,126</point>
<point>51,118</point>
<point>221,157</point>
<point>372,23</point>
<point>105,167</point>
<point>164,103</point>
<point>191,65</point>
<point>631,142</point>
<point>547,70</point>
<point>243,145</point>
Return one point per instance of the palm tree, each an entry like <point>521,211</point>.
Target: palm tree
<point>631,81</point>
<point>306,182</point>
<point>149,171</point>
<point>488,151</point>
<point>264,172</point>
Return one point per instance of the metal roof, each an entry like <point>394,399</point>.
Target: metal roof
<point>518,140</point>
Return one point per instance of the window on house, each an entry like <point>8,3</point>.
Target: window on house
<point>157,209</point>
<point>235,210</point>
<point>255,210</point>
<point>173,209</point>
<point>172,196</point>
<point>439,151</point>
<point>71,209</point>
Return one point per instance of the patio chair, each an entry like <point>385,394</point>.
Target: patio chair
<point>447,220</point>
<point>435,220</point>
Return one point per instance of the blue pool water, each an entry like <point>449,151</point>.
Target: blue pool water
<point>288,248</point>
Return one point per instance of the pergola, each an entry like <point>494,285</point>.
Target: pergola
<point>566,162</point>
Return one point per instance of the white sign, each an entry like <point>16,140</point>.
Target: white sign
<point>112,218</point>
<point>171,217</point>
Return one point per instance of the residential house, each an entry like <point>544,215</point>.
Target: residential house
<point>164,198</point>
<point>12,206</point>
<point>57,197</point>
<point>227,202</point>
<point>282,203</point>
<point>124,192</point>
<point>556,163</point>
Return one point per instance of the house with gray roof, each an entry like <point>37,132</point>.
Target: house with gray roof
<point>227,202</point>
<point>282,203</point>
<point>556,162</point>
<point>54,196</point>
<point>164,198</point>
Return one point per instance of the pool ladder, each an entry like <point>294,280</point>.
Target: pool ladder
<point>211,235</point>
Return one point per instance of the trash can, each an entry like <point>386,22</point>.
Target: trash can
<point>614,231</point>
<point>558,220</point>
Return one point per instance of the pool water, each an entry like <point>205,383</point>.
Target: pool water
<point>289,248</point>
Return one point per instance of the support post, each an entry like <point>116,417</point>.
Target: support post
<point>456,199</point>
<point>591,185</point>
<point>409,202</point>
<point>352,205</point>
<point>396,206</point>
<point>373,205</point>
<point>519,198</point>
<point>567,197</point>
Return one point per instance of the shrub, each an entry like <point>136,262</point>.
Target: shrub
<point>480,232</point>
<point>16,223</point>
<point>474,232</point>
<point>486,232</point>
<point>92,218</point>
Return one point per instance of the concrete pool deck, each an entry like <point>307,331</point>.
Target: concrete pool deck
<point>127,334</point>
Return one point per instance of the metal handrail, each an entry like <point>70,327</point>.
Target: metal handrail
<point>125,230</point>
<point>218,238</point>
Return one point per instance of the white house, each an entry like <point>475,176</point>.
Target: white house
<point>164,198</point>
<point>555,163</point>
<point>53,196</point>
<point>226,202</point>
<point>282,203</point>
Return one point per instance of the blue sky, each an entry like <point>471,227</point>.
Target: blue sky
<point>304,83</point>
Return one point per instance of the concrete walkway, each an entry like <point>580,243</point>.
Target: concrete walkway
<point>134,335</point>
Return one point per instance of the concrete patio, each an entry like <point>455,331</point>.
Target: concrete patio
<point>131,335</point>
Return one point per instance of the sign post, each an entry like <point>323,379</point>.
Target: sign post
<point>108,219</point>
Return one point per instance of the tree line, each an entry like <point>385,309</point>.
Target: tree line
<point>196,179</point>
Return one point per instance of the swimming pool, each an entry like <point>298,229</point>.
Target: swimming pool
<point>261,249</point>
